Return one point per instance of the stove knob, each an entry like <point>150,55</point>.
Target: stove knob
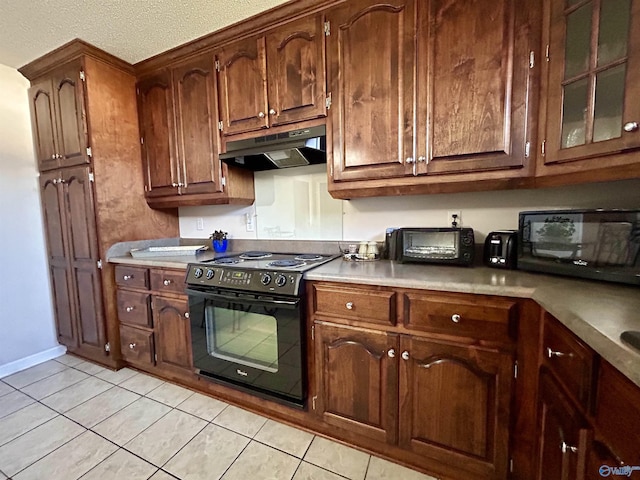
<point>210,274</point>
<point>197,273</point>
<point>281,280</point>
<point>265,279</point>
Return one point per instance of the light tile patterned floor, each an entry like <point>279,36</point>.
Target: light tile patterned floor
<point>68,419</point>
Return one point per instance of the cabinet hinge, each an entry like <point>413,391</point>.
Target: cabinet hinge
<point>544,148</point>
<point>313,332</point>
<point>327,28</point>
<point>141,140</point>
<point>223,181</point>
<point>313,402</point>
<point>99,262</point>
<point>546,52</point>
<point>327,101</point>
<point>511,465</point>
<point>220,125</point>
<point>107,347</point>
<point>137,91</point>
<point>217,65</point>
<point>155,357</point>
<point>82,77</point>
<point>89,151</point>
<point>527,149</point>
<point>515,370</point>
<point>532,59</point>
<point>331,170</point>
<point>91,177</point>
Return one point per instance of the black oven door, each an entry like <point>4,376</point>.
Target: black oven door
<point>252,341</point>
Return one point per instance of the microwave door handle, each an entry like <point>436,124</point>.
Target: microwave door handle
<point>231,298</point>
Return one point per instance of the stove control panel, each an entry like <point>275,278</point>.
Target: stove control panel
<point>260,281</point>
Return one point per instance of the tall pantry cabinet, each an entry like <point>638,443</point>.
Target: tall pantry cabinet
<point>85,129</point>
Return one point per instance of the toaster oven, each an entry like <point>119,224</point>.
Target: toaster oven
<point>453,246</point>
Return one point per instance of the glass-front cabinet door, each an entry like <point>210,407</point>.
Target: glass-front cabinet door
<point>593,90</point>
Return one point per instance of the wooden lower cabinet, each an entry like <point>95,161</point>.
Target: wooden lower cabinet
<point>563,435</point>
<point>137,345</point>
<point>357,380</point>
<point>172,331</point>
<point>455,404</point>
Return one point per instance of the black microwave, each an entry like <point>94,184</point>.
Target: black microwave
<point>454,246</point>
<point>594,244</point>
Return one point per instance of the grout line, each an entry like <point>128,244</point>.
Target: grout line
<point>366,472</point>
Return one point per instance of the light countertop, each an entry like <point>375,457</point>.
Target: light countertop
<point>596,312</point>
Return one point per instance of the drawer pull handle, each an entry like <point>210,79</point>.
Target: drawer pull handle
<point>455,318</point>
<point>553,353</point>
<point>349,305</point>
<point>186,315</point>
<point>166,283</point>
<point>127,277</point>
<point>132,346</point>
<point>391,353</point>
<point>565,447</point>
<point>130,309</point>
<point>405,355</point>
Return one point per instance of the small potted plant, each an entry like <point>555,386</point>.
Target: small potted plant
<point>219,241</point>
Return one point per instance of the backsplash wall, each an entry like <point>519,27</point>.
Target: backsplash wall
<point>367,218</point>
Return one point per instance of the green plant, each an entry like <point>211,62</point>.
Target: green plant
<point>218,235</point>
<point>557,227</point>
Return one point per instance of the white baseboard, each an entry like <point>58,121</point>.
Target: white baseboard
<point>17,365</point>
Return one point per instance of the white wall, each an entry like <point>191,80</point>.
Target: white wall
<point>367,218</point>
<point>27,328</point>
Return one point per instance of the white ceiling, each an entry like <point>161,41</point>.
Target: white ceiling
<point>130,29</point>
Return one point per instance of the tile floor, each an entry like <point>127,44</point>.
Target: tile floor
<point>67,419</point>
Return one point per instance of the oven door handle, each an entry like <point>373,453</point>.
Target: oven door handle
<point>252,301</point>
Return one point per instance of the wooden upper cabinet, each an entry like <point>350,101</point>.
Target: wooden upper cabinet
<point>157,130</point>
<point>473,82</point>
<point>274,79</point>
<point>592,107</point>
<point>243,86</point>
<point>456,398</point>
<point>197,129</point>
<point>58,118</point>
<point>296,71</point>
<point>370,72</point>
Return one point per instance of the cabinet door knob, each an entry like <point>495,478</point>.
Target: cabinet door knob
<point>565,447</point>
<point>409,160</point>
<point>132,346</point>
<point>349,305</point>
<point>405,355</point>
<point>553,353</point>
<point>391,353</point>
<point>422,158</point>
<point>455,318</point>
<point>62,180</point>
<point>261,115</point>
<point>127,277</point>
<point>129,309</point>
<point>166,283</point>
<point>630,127</point>
<point>54,156</point>
<point>54,181</point>
<point>186,315</point>
<point>272,111</point>
<point>174,184</point>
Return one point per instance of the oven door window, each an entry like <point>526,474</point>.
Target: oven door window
<point>243,334</point>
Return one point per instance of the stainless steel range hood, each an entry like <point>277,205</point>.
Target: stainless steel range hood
<point>296,148</point>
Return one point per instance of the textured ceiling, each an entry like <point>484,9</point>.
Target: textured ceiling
<point>130,29</point>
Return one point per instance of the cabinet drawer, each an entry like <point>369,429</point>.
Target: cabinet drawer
<point>134,308</point>
<point>132,276</point>
<point>373,306</point>
<point>568,358</point>
<point>475,316</point>
<point>136,345</point>
<point>167,281</point>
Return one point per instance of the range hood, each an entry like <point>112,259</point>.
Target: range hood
<point>306,146</point>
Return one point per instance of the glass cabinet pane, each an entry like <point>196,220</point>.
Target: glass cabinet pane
<point>577,45</point>
<point>574,109</point>
<point>609,104</point>
<point>614,29</point>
